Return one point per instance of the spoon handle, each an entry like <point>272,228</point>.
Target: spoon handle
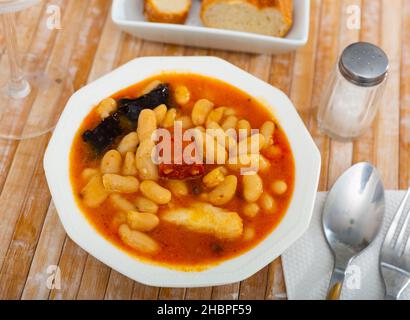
<point>336,284</point>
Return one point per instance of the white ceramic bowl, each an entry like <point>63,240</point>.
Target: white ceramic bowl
<point>128,16</point>
<point>293,225</point>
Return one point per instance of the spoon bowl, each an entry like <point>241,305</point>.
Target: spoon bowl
<point>352,217</point>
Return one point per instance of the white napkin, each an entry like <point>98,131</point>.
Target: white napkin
<point>308,263</point>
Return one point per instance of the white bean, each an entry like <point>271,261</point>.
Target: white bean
<point>129,143</point>
<point>201,128</point>
<point>129,168</point>
<point>267,130</point>
<point>224,192</point>
<point>272,151</point>
<point>146,205</point>
<point>155,192</point>
<point>106,107</point>
<point>147,169</point>
<point>244,161</point>
<point>248,233</point>
<point>252,187</point>
<point>264,163</point>
<point>200,111</point>
<point>215,115</point>
<point>229,112</point>
<point>204,196</point>
<point>147,124</point>
<point>94,193</point>
<point>111,162</point>
<point>178,187</point>
<point>279,187</point>
<point>229,123</point>
<point>88,173</point>
<point>137,240</point>
<point>213,178</point>
<point>251,210</point>
<point>169,118</point>
<point>186,122</point>
<point>119,218</point>
<point>151,86</point>
<point>244,128</point>
<point>120,203</point>
<point>252,144</point>
<point>160,113</point>
<point>267,203</point>
<point>214,152</point>
<point>182,95</point>
<point>142,221</point>
<point>117,183</point>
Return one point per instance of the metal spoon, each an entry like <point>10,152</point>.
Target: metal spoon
<point>352,216</point>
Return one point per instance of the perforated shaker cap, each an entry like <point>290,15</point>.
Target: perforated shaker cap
<point>364,64</point>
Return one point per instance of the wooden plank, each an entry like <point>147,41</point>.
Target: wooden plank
<point>23,244</point>
<point>275,287</point>
<point>341,153</point>
<point>171,293</point>
<point>95,275</point>
<point>119,287</point>
<point>96,20</point>
<point>107,49</point>
<point>143,292</point>
<point>28,225</point>
<point>363,149</point>
<point>47,254</point>
<point>70,37</point>
<point>405,101</point>
<point>279,75</point>
<point>301,95</point>
<point>387,129</point>
<point>304,68</point>
<point>94,280</point>
<point>198,293</point>
<point>71,264</point>
<point>226,292</point>
<point>326,55</point>
<point>28,22</point>
<point>40,264</point>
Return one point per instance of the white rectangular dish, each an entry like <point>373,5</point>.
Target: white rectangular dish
<point>128,16</point>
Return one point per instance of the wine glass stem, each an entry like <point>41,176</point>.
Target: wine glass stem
<point>17,87</point>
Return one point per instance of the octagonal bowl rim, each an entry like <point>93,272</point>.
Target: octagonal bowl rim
<point>293,225</point>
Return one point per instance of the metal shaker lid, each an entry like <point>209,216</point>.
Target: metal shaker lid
<point>364,64</point>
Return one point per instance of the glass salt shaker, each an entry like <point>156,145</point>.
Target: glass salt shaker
<point>350,101</point>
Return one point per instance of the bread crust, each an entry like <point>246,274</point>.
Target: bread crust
<point>154,14</point>
<point>284,6</point>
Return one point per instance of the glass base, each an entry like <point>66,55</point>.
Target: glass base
<point>35,111</point>
<point>335,136</point>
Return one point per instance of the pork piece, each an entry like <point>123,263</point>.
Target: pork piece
<point>125,119</point>
<point>205,218</point>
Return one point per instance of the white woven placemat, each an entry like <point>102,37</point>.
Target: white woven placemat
<point>308,263</point>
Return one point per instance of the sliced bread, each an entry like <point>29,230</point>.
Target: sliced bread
<point>167,11</point>
<point>268,17</point>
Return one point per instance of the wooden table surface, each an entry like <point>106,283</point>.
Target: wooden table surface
<point>89,45</point>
